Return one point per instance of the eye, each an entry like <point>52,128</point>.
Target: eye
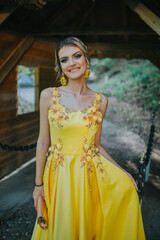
<point>64,60</point>
<point>78,55</point>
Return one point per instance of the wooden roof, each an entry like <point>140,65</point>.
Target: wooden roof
<point>61,17</point>
<point>126,28</point>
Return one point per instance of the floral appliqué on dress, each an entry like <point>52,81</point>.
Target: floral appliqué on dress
<point>91,158</point>
<point>57,113</point>
<point>93,114</point>
<point>55,152</point>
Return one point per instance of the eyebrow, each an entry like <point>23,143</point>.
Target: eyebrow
<point>72,55</point>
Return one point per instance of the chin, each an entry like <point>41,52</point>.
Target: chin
<point>76,76</point>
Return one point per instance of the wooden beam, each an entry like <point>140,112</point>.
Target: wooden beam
<point>29,60</point>
<point>126,47</point>
<point>15,56</point>
<point>124,17</point>
<point>123,30</point>
<point>53,19</point>
<point>126,50</point>
<point>6,11</point>
<point>83,14</point>
<point>145,14</point>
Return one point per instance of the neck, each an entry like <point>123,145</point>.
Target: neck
<point>77,86</point>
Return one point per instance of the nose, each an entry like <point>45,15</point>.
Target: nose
<point>71,62</point>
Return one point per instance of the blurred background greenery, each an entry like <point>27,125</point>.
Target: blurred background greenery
<point>135,81</point>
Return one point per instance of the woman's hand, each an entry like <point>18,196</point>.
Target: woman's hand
<point>130,176</point>
<point>38,192</point>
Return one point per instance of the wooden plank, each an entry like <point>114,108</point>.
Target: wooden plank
<point>19,135</point>
<point>6,11</point>
<point>118,47</point>
<point>29,60</point>
<point>155,59</point>
<point>12,130</point>
<point>54,18</point>
<point>34,61</point>
<point>7,105</point>
<point>9,43</point>
<point>9,37</point>
<point>42,53</point>
<point>15,56</point>
<point>124,17</point>
<point>16,161</point>
<point>11,82</point>
<point>50,41</point>
<point>46,73</point>
<point>83,13</point>
<point>145,14</point>
<point>9,85</point>
<point>19,119</point>
<point>41,49</point>
<point>8,114</point>
<point>8,95</point>
<point>122,30</point>
<point>6,154</point>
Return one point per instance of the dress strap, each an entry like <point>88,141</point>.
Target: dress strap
<point>97,99</point>
<point>55,96</point>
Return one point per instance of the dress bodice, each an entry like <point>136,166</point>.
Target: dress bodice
<point>72,132</point>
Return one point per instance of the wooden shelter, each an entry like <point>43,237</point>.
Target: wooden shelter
<point>29,33</point>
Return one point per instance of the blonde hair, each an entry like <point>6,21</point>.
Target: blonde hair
<point>70,41</point>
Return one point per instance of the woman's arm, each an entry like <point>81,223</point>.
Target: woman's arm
<point>42,145</point>
<point>44,136</point>
<point>98,144</point>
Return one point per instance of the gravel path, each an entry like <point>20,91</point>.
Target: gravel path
<point>20,225</point>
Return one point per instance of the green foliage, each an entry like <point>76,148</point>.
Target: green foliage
<point>103,65</point>
<point>136,81</point>
<point>26,69</point>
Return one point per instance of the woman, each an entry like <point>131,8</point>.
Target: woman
<point>87,194</point>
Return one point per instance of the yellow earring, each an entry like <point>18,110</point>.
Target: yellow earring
<point>63,80</point>
<point>87,72</point>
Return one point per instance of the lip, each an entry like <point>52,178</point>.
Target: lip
<point>70,70</point>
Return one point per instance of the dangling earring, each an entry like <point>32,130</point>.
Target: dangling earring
<point>87,72</point>
<point>63,80</point>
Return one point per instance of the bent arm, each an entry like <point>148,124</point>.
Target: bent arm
<point>44,137</point>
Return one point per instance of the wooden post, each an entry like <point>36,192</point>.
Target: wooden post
<point>145,14</point>
<point>6,12</point>
<point>15,56</point>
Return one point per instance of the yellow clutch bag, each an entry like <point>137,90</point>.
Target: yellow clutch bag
<point>42,218</point>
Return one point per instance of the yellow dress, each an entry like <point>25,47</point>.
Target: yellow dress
<point>87,196</point>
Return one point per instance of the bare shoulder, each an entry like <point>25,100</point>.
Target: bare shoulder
<point>45,93</point>
<point>46,97</point>
<point>104,99</point>
<point>104,104</point>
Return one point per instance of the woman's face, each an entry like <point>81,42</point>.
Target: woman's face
<point>73,61</point>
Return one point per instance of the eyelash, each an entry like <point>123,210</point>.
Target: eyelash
<point>76,56</point>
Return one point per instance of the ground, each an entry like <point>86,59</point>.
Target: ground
<point>20,224</point>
